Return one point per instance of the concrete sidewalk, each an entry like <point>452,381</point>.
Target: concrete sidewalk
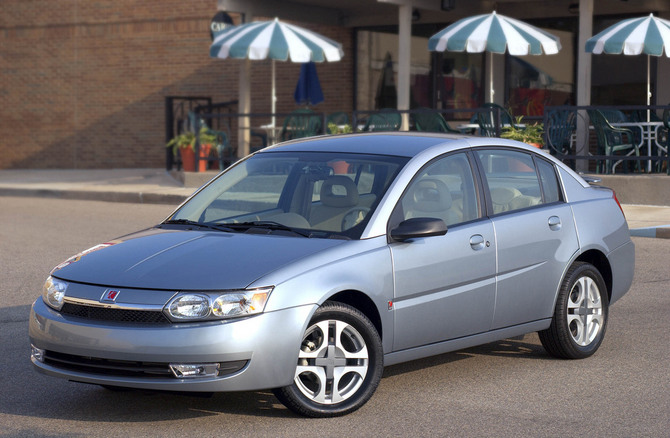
<point>151,186</point>
<point>157,186</point>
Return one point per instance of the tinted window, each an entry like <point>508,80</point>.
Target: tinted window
<point>511,178</point>
<point>318,191</point>
<point>550,186</point>
<point>445,189</point>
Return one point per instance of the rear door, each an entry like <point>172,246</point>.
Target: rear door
<point>535,233</point>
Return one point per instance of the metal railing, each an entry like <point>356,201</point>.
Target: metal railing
<point>583,154</point>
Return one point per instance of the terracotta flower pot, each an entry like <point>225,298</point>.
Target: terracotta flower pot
<point>188,158</point>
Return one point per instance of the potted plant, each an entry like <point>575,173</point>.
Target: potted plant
<point>185,144</point>
<point>334,128</point>
<point>531,134</point>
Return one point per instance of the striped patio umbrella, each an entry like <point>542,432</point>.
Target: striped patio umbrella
<point>275,40</point>
<point>495,34</point>
<point>635,36</point>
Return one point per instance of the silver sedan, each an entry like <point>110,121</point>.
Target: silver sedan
<point>309,266</point>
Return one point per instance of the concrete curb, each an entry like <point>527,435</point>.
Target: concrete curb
<point>654,232</point>
<point>105,196</point>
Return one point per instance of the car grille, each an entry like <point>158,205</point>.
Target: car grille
<point>124,368</point>
<point>115,315</point>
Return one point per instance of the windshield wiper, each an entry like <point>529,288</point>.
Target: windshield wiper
<point>197,224</point>
<point>266,225</point>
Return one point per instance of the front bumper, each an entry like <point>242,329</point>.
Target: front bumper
<point>267,344</point>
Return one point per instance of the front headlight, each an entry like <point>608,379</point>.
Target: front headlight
<point>217,305</point>
<point>190,307</point>
<point>53,292</point>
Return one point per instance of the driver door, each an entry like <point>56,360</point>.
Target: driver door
<point>444,285</point>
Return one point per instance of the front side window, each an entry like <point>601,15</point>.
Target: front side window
<point>513,181</point>
<point>445,189</point>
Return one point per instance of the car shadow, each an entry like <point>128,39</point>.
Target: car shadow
<point>522,347</point>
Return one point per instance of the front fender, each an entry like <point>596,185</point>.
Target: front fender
<point>363,266</point>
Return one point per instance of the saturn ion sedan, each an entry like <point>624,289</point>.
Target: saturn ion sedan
<point>309,266</point>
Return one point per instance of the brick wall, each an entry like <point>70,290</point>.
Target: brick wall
<point>83,83</point>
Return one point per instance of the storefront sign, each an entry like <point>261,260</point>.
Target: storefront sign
<point>220,22</point>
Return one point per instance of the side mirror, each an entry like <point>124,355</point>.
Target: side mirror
<point>419,227</point>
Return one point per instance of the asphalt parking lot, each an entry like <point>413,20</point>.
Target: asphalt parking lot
<point>507,388</point>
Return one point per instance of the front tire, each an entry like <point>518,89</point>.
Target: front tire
<point>580,317</point>
<point>339,364</point>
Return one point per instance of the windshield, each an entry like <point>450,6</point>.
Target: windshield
<point>320,194</point>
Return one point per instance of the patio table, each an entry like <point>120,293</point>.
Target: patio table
<point>272,131</point>
<point>649,134</point>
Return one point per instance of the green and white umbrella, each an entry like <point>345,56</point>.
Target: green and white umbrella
<point>495,34</point>
<point>275,40</point>
<point>635,36</point>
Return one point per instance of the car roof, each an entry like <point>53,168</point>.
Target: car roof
<point>403,144</point>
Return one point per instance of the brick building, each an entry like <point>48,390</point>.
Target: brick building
<point>83,83</point>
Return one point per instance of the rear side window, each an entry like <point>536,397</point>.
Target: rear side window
<point>550,187</point>
<point>512,179</point>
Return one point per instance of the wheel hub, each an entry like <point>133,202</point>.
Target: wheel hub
<point>585,311</point>
<point>332,363</point>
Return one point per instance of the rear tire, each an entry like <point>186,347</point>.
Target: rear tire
<point>340,364</point>
<point>580,317</point>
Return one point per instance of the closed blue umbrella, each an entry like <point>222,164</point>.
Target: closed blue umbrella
<point>277,41</point>
<point>495,34</point>
<point>635,36</point>
<point>308,90</point>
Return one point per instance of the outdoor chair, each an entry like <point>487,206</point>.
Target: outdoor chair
<point>614,116</point>
<point>431,121</point>
<point>641,116</point>
<point>610,141</point>
<point>301,123</point>
<point>224,150</point>
<point>262,137</point>
<point>488,119</point>
<point>559,130</point>
<point>385,120</point>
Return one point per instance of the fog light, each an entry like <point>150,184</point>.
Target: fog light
<point>194,371</point>
<point>36,354</point>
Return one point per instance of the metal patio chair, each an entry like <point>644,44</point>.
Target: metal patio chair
<point>560,128</point>
<point>301,123</point>
<point>385,120</point>
<point>610,141</point>
<point>488,119</point>
<point>431,121</point>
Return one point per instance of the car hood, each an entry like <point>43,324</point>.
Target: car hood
<point>187,259</point>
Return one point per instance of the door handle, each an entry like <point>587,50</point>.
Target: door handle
<point>554,223</point>
<point>478,242</point>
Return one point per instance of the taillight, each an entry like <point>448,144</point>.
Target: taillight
<point>618,203</point>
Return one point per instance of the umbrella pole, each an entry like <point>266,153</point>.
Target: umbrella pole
<point>648,87</point>
<point>491,77</point>
<point>274,94</point>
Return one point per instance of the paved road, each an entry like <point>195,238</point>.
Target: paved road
<point>508,388</point>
